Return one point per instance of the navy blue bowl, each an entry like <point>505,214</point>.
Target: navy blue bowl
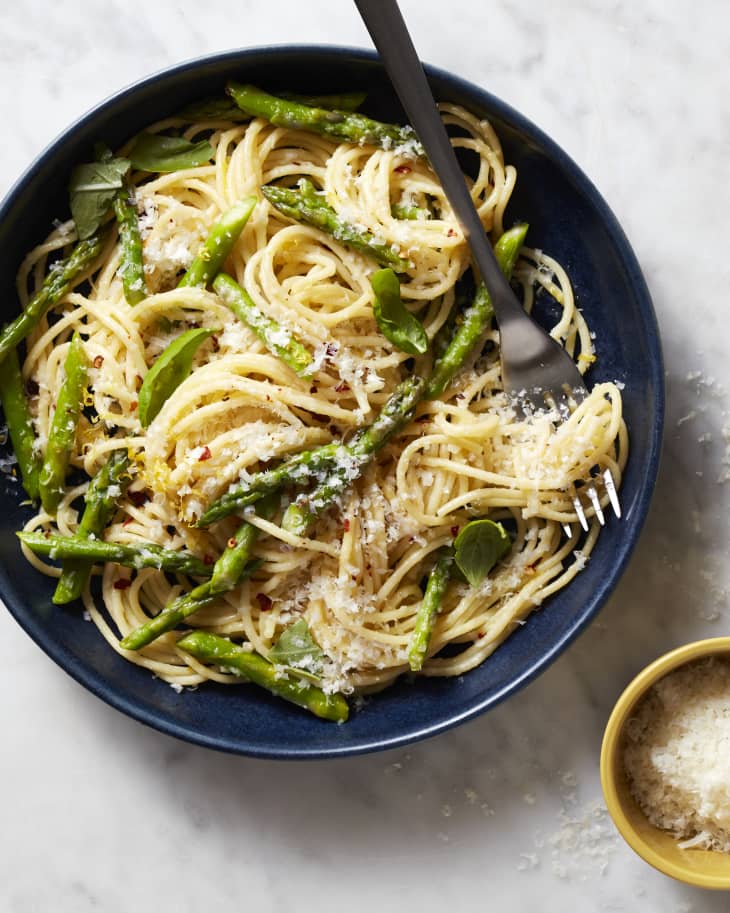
<point>567,218</point>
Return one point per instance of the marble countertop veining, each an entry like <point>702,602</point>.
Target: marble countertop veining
<point>100,813</point>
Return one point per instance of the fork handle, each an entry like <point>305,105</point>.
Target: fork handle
<point>390,36</point>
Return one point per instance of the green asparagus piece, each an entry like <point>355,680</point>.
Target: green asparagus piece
<point>438,581</point>
<point>395,414</point>
<point>233,566</point>
<point>353,128</point>
<point>298,469</point>
<point>335,464</point>
<point>305,205</point>
<point>343,101</point>
<point>476,318</point>
<point>177,611</point>
<point>63,426</point>
<point>227,109</point>
<point>412,213</point>
<point>135,555</point>
<point>19,422</point>
<point>218,245</point>
<point>276,339</point>
<point>132,265</point>
<point>253,667</point>
<point>102,498</point>
<point>62,276</point>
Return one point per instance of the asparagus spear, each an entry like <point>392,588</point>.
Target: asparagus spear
<point>63,426</point>
<point>102,497</point>
<point>276,339</point>
<point>18,420</point>
<point>438,581</point>
<point>135,555</point>
<point>227,109</point>
<point>305,205</point>
<point>219,243</point>
<point>353,128</point>
<point>233,566</point>
<point>395,414</point>
<point>476,318</point>
<point>132,267</point>
<point>412,213</point>
<point>61,277</point>
<point>253,667</point>
<point>298,469</point>
<point>177,611</point>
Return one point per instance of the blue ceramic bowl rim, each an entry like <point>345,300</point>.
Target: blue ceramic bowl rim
<point>152,718</point>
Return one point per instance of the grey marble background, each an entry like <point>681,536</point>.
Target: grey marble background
<point>505,813</point>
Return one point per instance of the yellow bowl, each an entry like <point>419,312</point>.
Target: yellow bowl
<point>703,868</point>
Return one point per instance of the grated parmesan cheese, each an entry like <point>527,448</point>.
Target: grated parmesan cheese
<point>677,754</point>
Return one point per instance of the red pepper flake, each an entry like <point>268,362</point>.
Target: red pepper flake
<point>313,389</point>
<point>47,533</point>
<point>98,361</point>
<point>346,525</point>
<point>207,559</point>
<point>480,635</point>
<point>342,387</point>
<point>205,455</point>
<point>133,405</point>
<point>138,382</point>
<point>138,498</point>
<point>31,387</point>
<point>232,543</point>
<point>265,603</point>
<point>127,520</point>
<point>403,169</point>
<point>122,584</point>
<point>454,530</point>
<point>451,233</point>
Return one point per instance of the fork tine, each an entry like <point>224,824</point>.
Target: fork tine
<point>593,496</point>
<point>568,530</point>
<point>580,513</point>
<point>611,489</point>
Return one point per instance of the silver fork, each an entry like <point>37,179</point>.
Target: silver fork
<point>537,372</point>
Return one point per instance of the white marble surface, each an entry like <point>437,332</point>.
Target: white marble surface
<point>99,813</point>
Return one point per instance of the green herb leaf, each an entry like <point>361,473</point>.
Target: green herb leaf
<point>395,321</point>
<point>168,372</point>
<point>297,649</point>
<point>92,190</point>
<point>479,546</point>
<point>156,152</point>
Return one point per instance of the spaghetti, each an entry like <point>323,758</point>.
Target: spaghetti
<point>357,577</point>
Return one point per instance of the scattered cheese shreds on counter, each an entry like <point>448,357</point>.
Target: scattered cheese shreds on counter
<point>677,754</point>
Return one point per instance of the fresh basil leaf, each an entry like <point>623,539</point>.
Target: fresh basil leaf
<point>395,321</point>
<point>92,190</point>
<point>297,649</point>
<point>168,372</point>
<point>478,547</point>
<point>156,152</point>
